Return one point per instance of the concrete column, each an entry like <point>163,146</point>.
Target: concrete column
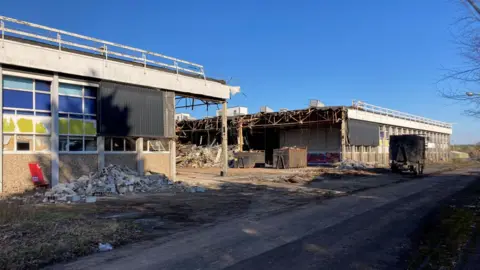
<point>224,140</point>
<point>173,159</point>
<point>1,129</point>
<point>240,135</point>
<point>343,138</point>
<point>140,162</point>
<point>55,131</point>
<point>384,145</point>
<point>101,152</point>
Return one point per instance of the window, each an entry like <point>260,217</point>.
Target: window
<point>77,106</point>
<point>155,145</point>
<point>27,115</point>
<point>118,144</point>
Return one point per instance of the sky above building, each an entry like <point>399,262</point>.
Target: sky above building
<point>283,53</point>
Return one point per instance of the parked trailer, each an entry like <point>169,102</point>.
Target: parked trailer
<point>407,152</point>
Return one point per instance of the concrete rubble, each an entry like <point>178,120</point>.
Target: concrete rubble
<point>114,180</point>
<point>194,156</point>
<point>349,164</point>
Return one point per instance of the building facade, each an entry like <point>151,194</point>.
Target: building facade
<point>359,132</point>
<point>73,108</point>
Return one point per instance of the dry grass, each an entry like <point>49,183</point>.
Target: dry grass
<point>33,236</point>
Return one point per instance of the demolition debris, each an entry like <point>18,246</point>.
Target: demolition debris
<point>194,156</point>
<point>114,180</point>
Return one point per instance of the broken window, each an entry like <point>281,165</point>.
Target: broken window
<point>24,143</point>
<point>119,144</point>
<point>155,145</point>
<point>42,143</point>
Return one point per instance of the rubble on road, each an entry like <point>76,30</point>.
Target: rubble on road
<point>193,156</point>
<point>348,164</point>
<point>114,180</point>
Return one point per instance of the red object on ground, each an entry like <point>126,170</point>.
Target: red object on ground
<point>37,175</point>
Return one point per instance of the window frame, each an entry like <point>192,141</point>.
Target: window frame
<point>124,151</point>
<point>146,142</point>
<point>34,111</point>
<point>84,116</point>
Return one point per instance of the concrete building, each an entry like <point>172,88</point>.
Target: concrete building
<point>234,111</point>
<point>330,133</point>
<point>74,107</point>
<point>184,116</point>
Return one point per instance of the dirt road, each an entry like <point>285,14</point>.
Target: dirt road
<point>365,230</point>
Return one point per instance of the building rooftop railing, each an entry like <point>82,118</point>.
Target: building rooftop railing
<point>67,40</point>
<point>397,114</point>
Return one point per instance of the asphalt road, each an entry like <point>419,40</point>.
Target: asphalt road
<point>366,230</point>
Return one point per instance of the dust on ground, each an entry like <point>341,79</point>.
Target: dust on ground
<point>35,234</point>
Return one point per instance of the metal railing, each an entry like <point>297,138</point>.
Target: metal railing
<point>397,114</point>
<point>26,30</point>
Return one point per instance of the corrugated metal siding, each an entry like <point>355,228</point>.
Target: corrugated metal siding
<point>363,133</point>
<point>315,138</point>
<point>126,110</point>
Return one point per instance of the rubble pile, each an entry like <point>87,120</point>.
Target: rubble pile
<point>349,164</point>
<point>114,180</point>
<point>194,156</point>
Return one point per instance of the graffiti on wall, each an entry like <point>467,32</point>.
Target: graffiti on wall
<point>322,157</point>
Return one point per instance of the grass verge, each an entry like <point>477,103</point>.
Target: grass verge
<point>32,236</point>
<point>446,231</point>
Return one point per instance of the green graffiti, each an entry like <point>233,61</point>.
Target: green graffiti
<point>25,125</point>
<point>76,126</point>
<point>40,128</point>
<point>8,125</point>
<point>63,126</point>
<point>90,128</point>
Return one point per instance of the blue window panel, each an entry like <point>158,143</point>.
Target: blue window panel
<point>42,101</point>
<point>8,112</point>
<point>90,117</point>
<point>70,89</point>
<point>17,83</point>
<point>76,116</point>
<point>42,113</point>
<point>70,104</point>
<point>42,85</point>
<point>91,106</point>
<point>17,99</point>
<point>90,91</point>
<point>63,115</point>
<point>24,113</point>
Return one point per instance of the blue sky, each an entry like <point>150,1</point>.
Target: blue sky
<point>283,53</point>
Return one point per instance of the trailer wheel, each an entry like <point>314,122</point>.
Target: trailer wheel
<point>420,168</point>
<point>394,168</point>
<point>414,169</point>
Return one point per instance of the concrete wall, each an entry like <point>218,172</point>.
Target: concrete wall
<point>125,159</point>
<point>438,146</point>
<point>33,56</point>
<point>72,166</point>
<point>323,143</point>
<point>16,173</point>
<point>157,162</point>
<point>388,120</point>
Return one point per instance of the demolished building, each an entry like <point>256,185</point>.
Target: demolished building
<point>359,132</point>
<point>74,104</point>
